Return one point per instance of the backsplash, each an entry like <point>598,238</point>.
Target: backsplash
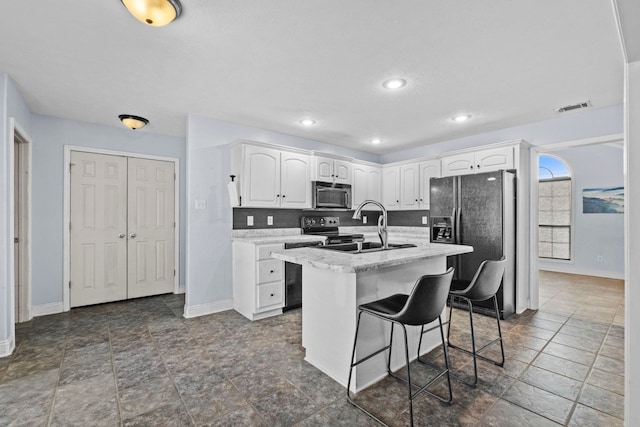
<point>290,218</point>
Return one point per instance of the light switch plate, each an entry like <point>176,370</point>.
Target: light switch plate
<point>424,220</point>
<point>249,221</point>
<point>269,220</point>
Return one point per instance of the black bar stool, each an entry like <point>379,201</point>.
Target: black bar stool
<point>424,305</point>
<point>483,286</point>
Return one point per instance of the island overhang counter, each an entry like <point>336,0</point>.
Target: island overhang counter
<point>334,284</point>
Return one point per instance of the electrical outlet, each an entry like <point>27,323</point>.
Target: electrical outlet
<point>364,219</point>
<point>424,220</point>
<point>249,221</point>
<point>201,204</point>
<point>599,258</point>
<point>269,220</point>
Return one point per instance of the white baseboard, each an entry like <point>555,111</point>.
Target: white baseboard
<point>209,308</point>
<point>7,346</point>
<point>559,268</point>
<point>45,309</point>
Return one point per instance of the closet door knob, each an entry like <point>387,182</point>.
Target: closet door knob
<point>132,235</point>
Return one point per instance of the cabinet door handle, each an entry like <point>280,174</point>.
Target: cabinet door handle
<point>272,295</point>
<point>132,235</point>
<point>471,167</point>
<point>277,195</point>
<point>478,166</point>
<point>271,272</point>
<point>283,196</point>
<point>121,235</point>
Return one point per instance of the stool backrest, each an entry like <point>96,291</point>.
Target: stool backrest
<point>486,281</point>
<point>427,299</point>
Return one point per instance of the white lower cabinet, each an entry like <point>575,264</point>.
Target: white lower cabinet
<point>258,280</point>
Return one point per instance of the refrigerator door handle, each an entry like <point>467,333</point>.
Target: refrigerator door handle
<point>457,226</point>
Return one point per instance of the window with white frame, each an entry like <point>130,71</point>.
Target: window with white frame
<point>554,208</point>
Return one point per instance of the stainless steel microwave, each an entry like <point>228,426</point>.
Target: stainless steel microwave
<point>327,195</point>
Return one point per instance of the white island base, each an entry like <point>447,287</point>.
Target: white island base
<point>330,302</point>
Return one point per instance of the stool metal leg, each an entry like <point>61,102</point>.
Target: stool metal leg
<point>354,363</point>
<point>475,352</point>
<point>495,304</point>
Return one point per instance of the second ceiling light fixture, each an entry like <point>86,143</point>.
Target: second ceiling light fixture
<point>154,12</point>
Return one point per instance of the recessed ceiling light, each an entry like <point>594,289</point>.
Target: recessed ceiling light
<point>394,83</point>
<point>461,118</point>
<point>307,122</point>
<point>376,141</point>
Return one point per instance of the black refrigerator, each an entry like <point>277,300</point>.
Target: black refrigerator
<point>478,210</point>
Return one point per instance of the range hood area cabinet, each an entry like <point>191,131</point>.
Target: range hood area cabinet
<point>272,178</point>
<point>333,170</point>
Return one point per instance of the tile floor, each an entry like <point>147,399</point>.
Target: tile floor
<point>139,363</point>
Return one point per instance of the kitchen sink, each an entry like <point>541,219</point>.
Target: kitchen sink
<point>367,247</point>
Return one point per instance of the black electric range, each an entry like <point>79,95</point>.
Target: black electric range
<point>328,226</point>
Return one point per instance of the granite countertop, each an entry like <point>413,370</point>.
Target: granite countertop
<point>292,235</point>
<point>274,235</point>
<point>353,263</point>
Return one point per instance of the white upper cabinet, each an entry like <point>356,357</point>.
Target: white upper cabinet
<point>260,177</point>
<point>391,187</point>
<point>274,178</point>
<point>333,170</point>
<point>428,169</point>
<point>410,186</point>
<point>366,184</point>
<point>478,161</point>
<point>406,186</point>
<point>295,180</point>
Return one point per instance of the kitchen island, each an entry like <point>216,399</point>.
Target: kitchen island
<point>334,283</point>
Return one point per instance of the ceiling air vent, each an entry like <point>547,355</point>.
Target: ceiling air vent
<point>573,107</point>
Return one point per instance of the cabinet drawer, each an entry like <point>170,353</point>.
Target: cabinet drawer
<point>264,251</point>
<point>270,270</point>
<point>270,295</point>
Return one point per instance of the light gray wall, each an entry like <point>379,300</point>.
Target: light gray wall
<point>594,166</point>
<point>11,105</point>
<point>569,127</point>
<point>632,243</point>
<point>50,135</point>
<point>209,231</point>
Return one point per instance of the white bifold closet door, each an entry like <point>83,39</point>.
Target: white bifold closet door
<point>122,228</point>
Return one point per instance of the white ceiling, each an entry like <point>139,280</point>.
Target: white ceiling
<point>270,63</point>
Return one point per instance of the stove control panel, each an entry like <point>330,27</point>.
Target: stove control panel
<point>320,221</point>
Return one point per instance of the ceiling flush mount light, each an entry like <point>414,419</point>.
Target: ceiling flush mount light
<point>307,122</point>
<point>461,118</point>
<point>394,83</point>
<point>376,141</point>
<point>133,122</point>
<point>154,12</point>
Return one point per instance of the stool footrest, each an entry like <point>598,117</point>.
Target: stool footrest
<point>424,387</point>
<point>364,359</point>
<point>479,356</point>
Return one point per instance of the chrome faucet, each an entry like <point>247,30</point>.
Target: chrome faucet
<point>382,220</point>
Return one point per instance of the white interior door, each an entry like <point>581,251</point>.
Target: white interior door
<point>16,227</point>
<point>122,228</point>
<point>98,228</point>
<point>151,227</point>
